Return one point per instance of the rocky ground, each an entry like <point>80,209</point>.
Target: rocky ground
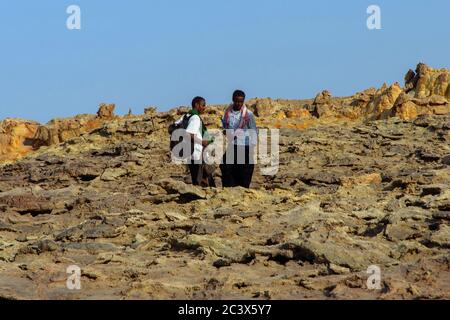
<point>353,190</point>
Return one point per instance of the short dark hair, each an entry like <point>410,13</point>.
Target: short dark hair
<point>197,100</point>
<point>238,93</point>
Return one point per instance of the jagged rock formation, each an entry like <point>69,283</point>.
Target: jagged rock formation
<point>20,137</point>
<point>350,193</point>
<point>427,81</point>
<point>106,111</point>
<point>60,130</point>
<point>16,138</point>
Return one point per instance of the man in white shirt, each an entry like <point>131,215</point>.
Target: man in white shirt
<point>196,133</point>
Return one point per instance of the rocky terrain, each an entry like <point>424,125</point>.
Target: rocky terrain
<point>363,180</point>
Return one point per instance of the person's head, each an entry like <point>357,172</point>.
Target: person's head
<point>238,99</point>
<point>199,104</point>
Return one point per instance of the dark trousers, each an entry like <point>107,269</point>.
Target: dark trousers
<point>199,176</point>
<point>238,173</point>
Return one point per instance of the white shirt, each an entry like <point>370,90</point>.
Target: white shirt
<point>194,127</point>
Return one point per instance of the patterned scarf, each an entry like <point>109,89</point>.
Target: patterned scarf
<point>244,119</point>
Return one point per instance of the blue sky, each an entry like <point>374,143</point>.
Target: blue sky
<point>138,53</point>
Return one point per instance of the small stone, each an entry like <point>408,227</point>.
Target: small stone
<point>219,263</point>
<point>175,216</point>
<point>188,192</point>
<point>338,269</point>
<point>446,160</point>
<point>442,215</point>
<point>112,174</point>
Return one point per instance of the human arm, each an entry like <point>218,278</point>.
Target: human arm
<point>253,134</point>
<point>194,131</point>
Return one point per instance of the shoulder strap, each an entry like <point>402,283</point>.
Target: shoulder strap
<point>185,121</point>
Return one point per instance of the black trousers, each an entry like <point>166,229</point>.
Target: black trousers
<point>238,173</point>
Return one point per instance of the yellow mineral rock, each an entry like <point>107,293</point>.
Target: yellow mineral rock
<point>16,138</point>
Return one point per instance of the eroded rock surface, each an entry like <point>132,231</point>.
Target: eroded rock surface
<point>345,198</point>
<point>355,188</point>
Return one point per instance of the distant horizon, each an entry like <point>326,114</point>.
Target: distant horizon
<point>158,109</point>
<point>162,53</point>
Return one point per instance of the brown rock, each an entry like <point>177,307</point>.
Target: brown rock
<point>150,111</point>
<point>264,107</point>
<point>106,111</point>
<point>323,97</point>
<point>323,105</point>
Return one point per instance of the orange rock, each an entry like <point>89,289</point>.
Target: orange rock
<point>16,138</point>
<point>280,115</point>
<point>407,111</point>
<point>366,179</point>
<point>298,114</point>
<point>382,103</point>
<point>408,108</point>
